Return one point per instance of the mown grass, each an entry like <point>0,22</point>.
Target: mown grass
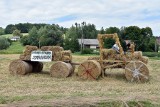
<point>15,48</point>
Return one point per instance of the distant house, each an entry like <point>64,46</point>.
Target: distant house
<point>15,38</point>
<point>89,43</point>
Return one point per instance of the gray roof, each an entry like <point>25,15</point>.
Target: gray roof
<point>89,41</point>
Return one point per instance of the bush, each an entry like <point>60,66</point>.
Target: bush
<point>4,43</point>
<point>151,54</point>
<point>87,51</point>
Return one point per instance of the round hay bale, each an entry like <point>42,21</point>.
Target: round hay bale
<point>137,71</point>
<point>37,66</point>
<point>61,69</point>
<point>89,70</point>
<point>20,67</point>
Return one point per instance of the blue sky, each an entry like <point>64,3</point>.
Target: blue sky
<point>102,13</point>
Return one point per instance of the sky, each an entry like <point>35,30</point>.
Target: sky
<point>102,13</point>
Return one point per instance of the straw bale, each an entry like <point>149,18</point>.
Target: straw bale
<point>19,67</point>
<point>61,69</point>
<point>46,48</point>
<point>29,49</point>
<point>137,71</point>
<point>108,53</point>
<point>90,70</point>
<point>66,55</point>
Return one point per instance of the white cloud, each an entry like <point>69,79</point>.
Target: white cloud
<point>104,13</point>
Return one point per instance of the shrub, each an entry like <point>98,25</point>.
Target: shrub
<point>87,51</point>
<point>151,54</point>
<point>4,43</point>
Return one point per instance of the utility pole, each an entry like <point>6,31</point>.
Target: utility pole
<point>82,38</point>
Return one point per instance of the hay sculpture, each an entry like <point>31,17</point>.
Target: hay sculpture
<point>90,70</point>
<point>137,71</point>
<point>20,67</point>
<point>66,55</point>
<point>61,69</point>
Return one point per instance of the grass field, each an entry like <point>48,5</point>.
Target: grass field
<point>42,89</point>
<point>10,35</point>
<point>15,48</point>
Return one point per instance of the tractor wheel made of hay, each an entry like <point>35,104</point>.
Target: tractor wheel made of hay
<point>137,71</point>
<point>89,70</point>
<point>19,67</point>
<point>61,69</point>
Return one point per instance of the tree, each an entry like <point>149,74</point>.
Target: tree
<point>71,40</point>
<point>10,28</point>
<point>4,43</point>
<point>17,33</point>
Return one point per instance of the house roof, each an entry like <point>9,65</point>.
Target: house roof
<point>89,41</point>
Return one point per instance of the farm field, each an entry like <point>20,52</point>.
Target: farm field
<point>42,89</point>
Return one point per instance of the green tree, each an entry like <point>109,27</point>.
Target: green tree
<point>9,29</point>
<point>17,33</point>
<point>71,40</point>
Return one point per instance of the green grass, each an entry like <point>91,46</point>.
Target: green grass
<point>127,104</point>
<point>10,35</point>
<point>7,35</point>
<point>15,48</point>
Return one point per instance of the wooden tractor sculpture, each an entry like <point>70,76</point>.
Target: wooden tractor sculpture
<point>133,62</point>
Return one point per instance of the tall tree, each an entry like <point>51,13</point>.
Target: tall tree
<point>71,40</point>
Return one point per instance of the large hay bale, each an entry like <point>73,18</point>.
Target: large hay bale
<point>61,69</point>
<point>90,70</point>
<point>20,67</point>
<point>137,71</point>
<point>56,53</point>
<point>66,55</point>
<point>37,66</point>
<point>29,49</point>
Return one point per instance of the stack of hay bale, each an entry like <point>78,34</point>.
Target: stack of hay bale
<point>24,65</point>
